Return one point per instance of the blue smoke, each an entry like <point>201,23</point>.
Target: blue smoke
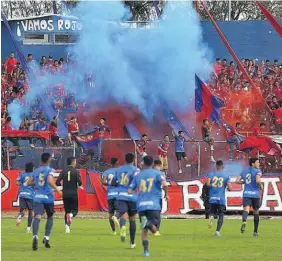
<point>144,68</point>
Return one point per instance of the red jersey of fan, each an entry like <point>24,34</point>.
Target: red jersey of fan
<point>10,64</point>
<point>164,146</point>
<point>53,128</point>
<point>217,68</point>
<point>73,127</point>
<point>7,126</point>
<point>231,133</point>
<point>141,144</point>
<point>256,131</point>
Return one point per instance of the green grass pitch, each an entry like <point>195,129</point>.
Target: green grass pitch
<point>91,240</point>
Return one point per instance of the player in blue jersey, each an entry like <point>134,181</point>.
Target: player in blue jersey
<point>126,203</point>
<point>26,195</point>
<point>250,177</point>
<point>218,181</point>
<point>43,199</point>
<point>107,178</point>
<point>149,182</point>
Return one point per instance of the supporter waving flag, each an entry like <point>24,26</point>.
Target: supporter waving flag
<point>206,102</point>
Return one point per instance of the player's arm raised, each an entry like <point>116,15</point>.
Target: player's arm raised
<point>51,182</point>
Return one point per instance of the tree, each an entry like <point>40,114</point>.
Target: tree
<point>240,10</point>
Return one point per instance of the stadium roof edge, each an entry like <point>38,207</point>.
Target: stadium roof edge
<point>41,16</point>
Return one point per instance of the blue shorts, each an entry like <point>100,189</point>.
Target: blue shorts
<point>152,216</point>
<point>26,203</point>
<point>217,209</point>
<point>40,207</point>
<point>123,206</point>
<point>253,202</point>
<point>112,205</point>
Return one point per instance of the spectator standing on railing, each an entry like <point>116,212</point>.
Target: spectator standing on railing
<point>102,128</point>
<point>73,129</point>
<point>53,128</point>
<point>206,134</point>
<point>10,64</point>
<point>180,150</point>
<point>162,154</point>
<point>142,147</point>
<point>234,138</point>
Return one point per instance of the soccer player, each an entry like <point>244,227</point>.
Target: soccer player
<point>126,203</point>
<point>71,182</point>
<point>217,181</point>
<point>149,182</point>
<point>179,149</point>
<point>162,153</point>
<point>158,166</point>
<point>107,178</point>
<point>43,199</point>
<point>26,195</point>
<point>251,195</point>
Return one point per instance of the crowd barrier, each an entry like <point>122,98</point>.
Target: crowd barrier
<point>184,196</point>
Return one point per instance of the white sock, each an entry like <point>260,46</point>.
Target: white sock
<point>212,147</point>
<point>47,238</point>
<point>35,237</point>
<point>71,215</point>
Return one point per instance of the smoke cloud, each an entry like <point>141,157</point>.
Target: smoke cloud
<point>144,68</point>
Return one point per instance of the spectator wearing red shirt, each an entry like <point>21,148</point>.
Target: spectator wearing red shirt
<point>73,129</point>
<point>53,128</point>
<point>141,147</point>
<point>11,63</point>
<point>234,138</point>
<point>258,131</point>
<point>162,153</point>
<point>217,66</point>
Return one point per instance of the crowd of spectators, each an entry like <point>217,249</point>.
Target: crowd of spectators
<point>247,103</point>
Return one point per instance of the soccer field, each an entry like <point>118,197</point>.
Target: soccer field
<point>180,240</point>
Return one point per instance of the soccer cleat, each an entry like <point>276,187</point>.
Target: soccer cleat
<point>35,243</point>
<point>243,227</point>
<point>146,254</point>
<point>46,242</point>
<point>18,221</point>
<point>28,230</point>
<point>123,234</point>
<point>114,218</point>
<point>157,234</point>
<point>256,234</point>
<point>68,219</point>
<point>144,221</point>
<point>114,233</point>
<point>32,145</point>
<point>180,171</point>
<point>217,234</point>
<point>132,246</point>
<point>67,229</point>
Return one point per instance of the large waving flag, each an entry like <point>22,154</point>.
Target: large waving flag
<point>89,140</point>
<point>206,102</point>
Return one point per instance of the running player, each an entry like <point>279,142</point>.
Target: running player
<point>107,178</point>
<point>71,182</point>
<point>26,195</point>
<point>149,182</point>
<point>126,203</point>
<point>43,199</point>
<point>217,181</point>
<point>251,195</point>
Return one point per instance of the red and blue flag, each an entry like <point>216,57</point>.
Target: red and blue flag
<point>206,102</point>
<point>89,140</point>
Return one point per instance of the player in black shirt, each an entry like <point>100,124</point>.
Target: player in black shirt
<point>71,182</point>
